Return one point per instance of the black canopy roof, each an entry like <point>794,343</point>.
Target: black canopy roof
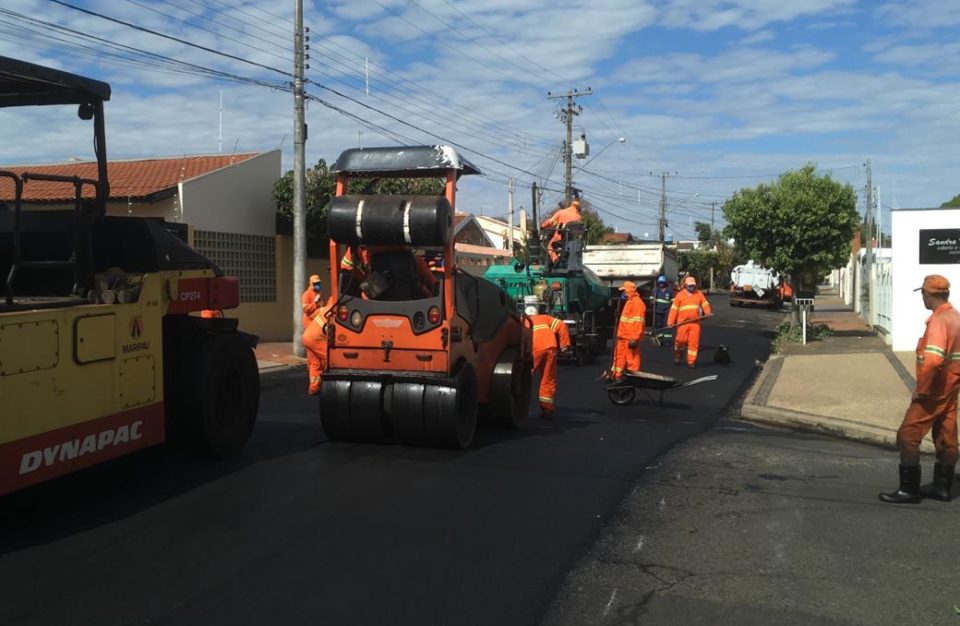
<point>410,161</point>
<point>23,84</point>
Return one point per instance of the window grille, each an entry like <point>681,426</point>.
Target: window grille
<point>251,258</point>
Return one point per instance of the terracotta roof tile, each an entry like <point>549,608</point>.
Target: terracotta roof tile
<point>136,180</point>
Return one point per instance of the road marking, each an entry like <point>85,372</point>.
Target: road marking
<point>639,545</point>
<point>610,602</point>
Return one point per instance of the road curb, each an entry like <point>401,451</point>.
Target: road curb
<point>755,409</point>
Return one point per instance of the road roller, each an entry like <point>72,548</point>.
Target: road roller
<point>415,356</point>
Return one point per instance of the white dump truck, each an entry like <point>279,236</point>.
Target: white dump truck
<point>754,285</point>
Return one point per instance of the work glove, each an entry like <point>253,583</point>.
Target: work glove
<point>633,343</point>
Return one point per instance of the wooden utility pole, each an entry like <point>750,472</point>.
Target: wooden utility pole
<point>299,179</point>
<point>570,110</point>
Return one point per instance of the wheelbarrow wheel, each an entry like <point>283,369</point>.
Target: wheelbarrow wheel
<point>621,396</point>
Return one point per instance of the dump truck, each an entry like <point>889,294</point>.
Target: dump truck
<point>101,350</point>
<point>637,262</point>
<point>567,290</point>
<point>409,362</point>
<point>753,285</point>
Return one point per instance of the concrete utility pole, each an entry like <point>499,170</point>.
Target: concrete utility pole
<point>868,257</point>
<point>509,241</point>
<point>713,212</point>
<point>566,115</point>
<point>663,207</point>
<point>299,179</point>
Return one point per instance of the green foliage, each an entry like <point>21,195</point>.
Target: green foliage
<point>789,332</point>
<point>722,257</point>
<point>952,202</point>
<point>595,228</point>
<point>800,226</point>
<point>704,232</point>
<point>321,186</point>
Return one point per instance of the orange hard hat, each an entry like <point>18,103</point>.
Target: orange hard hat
<point>689,280</point>
<point>628,285</point>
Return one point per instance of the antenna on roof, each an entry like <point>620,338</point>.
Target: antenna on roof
<point>235,144</point>
<point>220,132</point>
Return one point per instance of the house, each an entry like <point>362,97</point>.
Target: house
<point>617,238</point>
<point>498,231</point>
<point>221,204</point>
<point>474,249</point>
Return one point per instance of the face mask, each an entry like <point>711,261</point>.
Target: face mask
<point>317,287</point>
<point>691,288</point>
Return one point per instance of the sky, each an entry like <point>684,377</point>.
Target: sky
<point>709,96</point>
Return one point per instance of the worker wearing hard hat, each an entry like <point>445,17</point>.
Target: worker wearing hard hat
<point>662,299</point>
<point>559,221</point>
<point>934,401</point>
<point>548,333</point>
<point>629,332</point>
<point>689,307</point>
<point>314,331</point>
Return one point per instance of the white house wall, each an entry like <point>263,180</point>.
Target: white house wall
<point>235,199</point>
<point>908,312</point>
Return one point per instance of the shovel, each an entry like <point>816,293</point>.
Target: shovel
<point>655,335</point>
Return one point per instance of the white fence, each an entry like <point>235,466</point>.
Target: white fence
<point>882,314</point>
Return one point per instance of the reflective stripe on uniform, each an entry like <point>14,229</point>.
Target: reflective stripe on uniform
<point>554,324</point>
<point>688,307</point>
<point>936,350</point>
<point>541,327</point>
<point>315,379</point>
<point>631,319</point>
<point>546,399</point>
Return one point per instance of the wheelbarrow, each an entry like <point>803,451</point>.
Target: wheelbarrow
<point>623,391</point>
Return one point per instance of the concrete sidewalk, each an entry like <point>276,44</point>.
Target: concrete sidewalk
<point>277,356</point>
<point>850,384</point>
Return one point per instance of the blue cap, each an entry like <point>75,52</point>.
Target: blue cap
<point>661,279</point>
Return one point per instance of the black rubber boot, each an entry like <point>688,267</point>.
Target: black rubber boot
<point>943,477</point>
<point>909,491</point>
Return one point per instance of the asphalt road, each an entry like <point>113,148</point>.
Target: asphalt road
<point>301,530</point>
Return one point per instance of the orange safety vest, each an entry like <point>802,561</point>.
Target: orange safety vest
<point>562,217</point>
<point>938,355</point>
<point>547,330</point>
<point>632,318</point>
<point>687,306</point>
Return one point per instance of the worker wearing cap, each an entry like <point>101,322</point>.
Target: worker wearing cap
<point>359,270</point>
<point>548,333</point>
<point>559,221</point>
<point>629,332</point>
<point>662,298</point>
<point>934,402</point>
<point>689,306</point>
<point>314,331</point>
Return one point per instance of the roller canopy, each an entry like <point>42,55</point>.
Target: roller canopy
<point>390,220</point>
<point>407,161</point>
<point>23,83</point>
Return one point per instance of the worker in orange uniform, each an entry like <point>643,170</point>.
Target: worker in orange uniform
<point>359,271</point>
<point>559,221</point>
<point>934,402</point>
<point>548,332</point>
<point>314,331</point>
<point>689,306</point>
<point>629,332</point>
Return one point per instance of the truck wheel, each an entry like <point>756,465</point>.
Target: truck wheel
<point>509,390</point>
<point>214,407</point>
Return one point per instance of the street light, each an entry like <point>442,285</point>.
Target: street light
<point>617,140</point>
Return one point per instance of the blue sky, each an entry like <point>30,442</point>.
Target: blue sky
<point>720,94</point>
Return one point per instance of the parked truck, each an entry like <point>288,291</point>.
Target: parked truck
<point>99,353</point>
<point>754,285</point>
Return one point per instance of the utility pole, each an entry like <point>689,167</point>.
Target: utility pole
<point>570,110</point>
<point>509,241</point>
<point>868,257</point>
<point>533,241</point>
<point>713,212</point>
<point>299,179</point>
<point>663,206</point>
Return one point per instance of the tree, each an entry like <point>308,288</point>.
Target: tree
<point>321,186</point>
<point>800,226</point>
<point>952,202</point>
<point>595,228</point>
